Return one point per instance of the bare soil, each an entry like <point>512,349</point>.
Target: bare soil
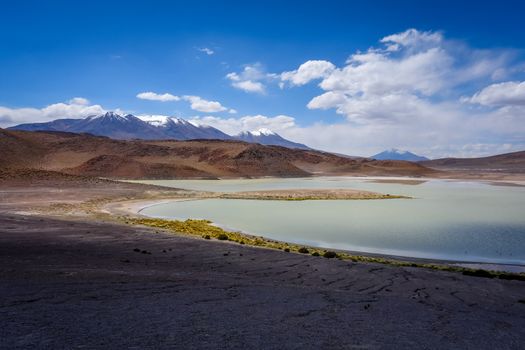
<point>83,284</point>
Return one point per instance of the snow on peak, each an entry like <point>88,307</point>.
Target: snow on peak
<point>177,120</point>
<point>262,132</point>
<point>161,120</point>
<point>155,120</point>
<point>197,123</point>
<point>107,115</point>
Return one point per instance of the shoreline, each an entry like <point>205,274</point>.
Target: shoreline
<point>133,209</point>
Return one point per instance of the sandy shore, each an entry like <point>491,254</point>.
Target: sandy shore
<point>82,281</point>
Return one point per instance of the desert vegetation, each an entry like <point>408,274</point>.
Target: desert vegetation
<point>205,228</point>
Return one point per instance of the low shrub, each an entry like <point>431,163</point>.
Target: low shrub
<point>204,228</point>
<point>330,255</point>
<point>222,237</point>
<point>479,273</point>
<point>512,276</point>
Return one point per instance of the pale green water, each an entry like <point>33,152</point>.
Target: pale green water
<point>464,221</point>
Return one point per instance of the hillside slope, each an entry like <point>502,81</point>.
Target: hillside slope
<point>84,154</point>
<point>508,163</point>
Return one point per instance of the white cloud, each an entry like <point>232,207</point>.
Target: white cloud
<point>503,94</point>
<point>400,81</point>
<point>405,94</point>
<point>201,105</point>
<point>152,96</point>
<point>251,79</point>
<point>327,100</point>
<point>249,86</point>
<point>376,73</point>
<point>234,126</point>
<point>206,50</point>
<point>77,107</point>
<point>197,103</point>
<point>411,38</point>
<point>308,71</point>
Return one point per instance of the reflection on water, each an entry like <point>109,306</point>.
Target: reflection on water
<point>463,221</point>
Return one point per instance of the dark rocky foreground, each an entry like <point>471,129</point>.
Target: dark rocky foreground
<point>72,284</point>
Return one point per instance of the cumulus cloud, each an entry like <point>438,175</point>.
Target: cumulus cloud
<point>406,92</point>
<point>197,103</point>
<point>152,96</point>
<point>406,78</point>
<point>77,107</point>
<point>509,93</point>
<point>308,71</point>
<point>411,38</point>
<point>251,79</point>
<point>201,105</point>
<point>234,126</point>
<point>247,85</point>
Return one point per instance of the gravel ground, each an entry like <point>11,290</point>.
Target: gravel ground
<point>68,284</point>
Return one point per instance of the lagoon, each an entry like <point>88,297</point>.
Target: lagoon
<point>446,220</point>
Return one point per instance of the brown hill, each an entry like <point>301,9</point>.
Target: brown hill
<point>506,163</point>
<point>84,154</point>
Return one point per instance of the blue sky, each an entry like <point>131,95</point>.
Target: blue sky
<point>439,79</point>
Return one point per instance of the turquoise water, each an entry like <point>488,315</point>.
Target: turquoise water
<point>451,220</point>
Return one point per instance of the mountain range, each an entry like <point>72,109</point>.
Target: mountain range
<point>396,154</point>
<point>127,127</point>
<point>510,163</point>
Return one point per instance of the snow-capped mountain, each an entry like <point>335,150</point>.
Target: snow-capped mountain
<point>396,154</point>
<point>115,126</point>
<point>128,126</point>
<point>180,129</point>
<point>109,124</point>
<point>268,137</point>
<point>153,127</point>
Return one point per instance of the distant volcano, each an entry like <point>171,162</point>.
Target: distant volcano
<point>396,154</point>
